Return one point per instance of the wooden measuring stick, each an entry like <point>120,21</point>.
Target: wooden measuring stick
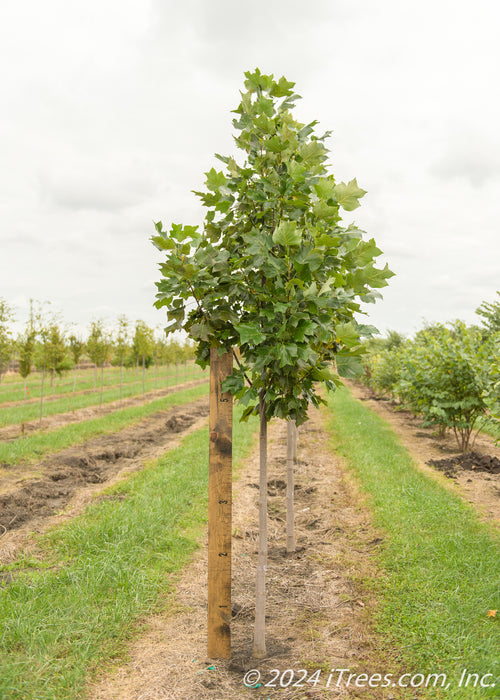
<point>219,508</point>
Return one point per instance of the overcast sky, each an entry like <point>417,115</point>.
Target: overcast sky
<point>111,111</point>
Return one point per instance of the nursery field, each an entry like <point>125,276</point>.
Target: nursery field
<point>87,439</point>
<point>103,560</point>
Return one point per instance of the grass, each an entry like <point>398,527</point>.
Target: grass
<point>71,608</point>
<point>66,401</point>
<point>442,564</point>
<point>12,386</point>
<point>31,447</point>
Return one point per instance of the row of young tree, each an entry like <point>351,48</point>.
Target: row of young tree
<point>449,374</point>
<point>48,346</point>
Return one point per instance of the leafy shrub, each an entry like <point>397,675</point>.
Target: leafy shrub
<point>445,377</point>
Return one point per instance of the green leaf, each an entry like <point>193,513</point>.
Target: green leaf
<point>366,251</point>
<point>325,188</point>
<point>346,334</point>
<point>348,366</point>
<point>287,233</point>
<point>283,88</point>
<point>313,152</point>
<point>250,333</point>
<point>324,374</point>
<point>348,195</point>
<point>215,180</point>
<point>162,243</point>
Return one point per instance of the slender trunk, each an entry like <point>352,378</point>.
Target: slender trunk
<point>176,372</point>
<point>74,381</point>
<point>95,377</point>
<point>52,381</point>
<point>259,643</point>
<point>290,529</point>
<point>155,373</point>
<point>143,374</point>
<point>166,376</point>
<point>102,384</point>
<point>41,396</point>
<point>121,381</point>
<point>25,390</point>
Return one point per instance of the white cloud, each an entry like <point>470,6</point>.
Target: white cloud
<point>113,111</point>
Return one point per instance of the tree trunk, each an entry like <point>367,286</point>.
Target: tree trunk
<point>259,644</point>
<point>290,528</point>
<point>25,390</point>
<point>143,374</point>
<point>41,396</point>
<point>121,381</point>
<point>102,384</point>
<point>74,381</point>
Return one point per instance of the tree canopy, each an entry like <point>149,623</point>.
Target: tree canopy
<point>273,272</point>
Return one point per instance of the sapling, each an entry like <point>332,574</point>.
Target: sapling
<point>272,273</point>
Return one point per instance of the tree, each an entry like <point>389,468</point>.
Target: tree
<point>76,348</point>
<point>444,376</point>
<point>273,273</point>
<point>55,351</point>
<point>142,347</point>
<point>46,351</point>
<point>490,313</point>
<point>26,345</point>
<point>98,349</point>
<point>6,344</point>
<point>121,346</point>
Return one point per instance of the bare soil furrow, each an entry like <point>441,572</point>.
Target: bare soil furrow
<point>475,475</point>
<point>317,617</point>
<point>33,494</point>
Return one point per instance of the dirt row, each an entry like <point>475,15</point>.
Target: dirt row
<point>31,495</point>
<point>317,615</point>
<point>474,475</point>
<point>13,432</point>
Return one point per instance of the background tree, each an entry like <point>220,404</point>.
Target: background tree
<point>26,345</point>
<point>142,347</point>
<point>273,273</point>
<point>6,344</point>
<point>490,315</point>
<point>98,349</point>
<point>76,348</point>
<point>55,351</point>
<point>121,346</point>
<point>42,320</point>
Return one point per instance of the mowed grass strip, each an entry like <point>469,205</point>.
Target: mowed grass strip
<point>33,446</point>
<point>65,402</point>
<point>442,564</point>
<point>89,380</point>
<point>69,609</point>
